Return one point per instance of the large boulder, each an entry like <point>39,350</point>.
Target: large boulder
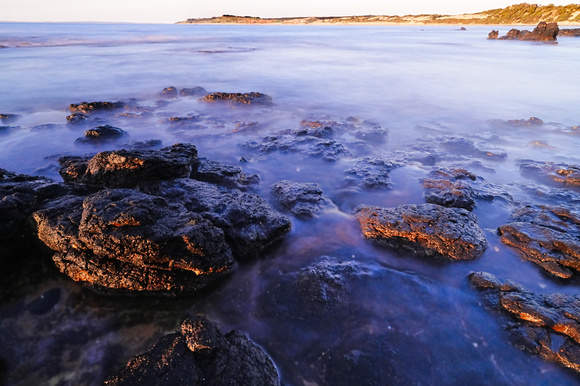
<point>199,354</point>
<point>542,324</point>
<point>546,235</point>
<point>125,168</point>
<point>428,229</point>
<point>543,32</point>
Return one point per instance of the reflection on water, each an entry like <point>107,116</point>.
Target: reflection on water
<point>388,315</point>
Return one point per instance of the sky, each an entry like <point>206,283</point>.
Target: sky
<point>171,11</point>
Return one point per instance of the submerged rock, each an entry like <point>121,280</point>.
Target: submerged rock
<point>427,229</point>
<point>169,93</point>
<point>93,107</point>
<point>570,32</point>
<point>546,235</point>
<point>309,146</point>
<point>372,172</point>
<point>195,91</point>
<point>464,146</point>
<point>101,134</point>
<point>199,354</point>
<point>304,200</point>
<point>236,99</point>
<point>559,174</point>
<point>124,168</point>
<point>543,32</point>
<point>542,324</point>
<point>224,175</point>
<point>9,118</point>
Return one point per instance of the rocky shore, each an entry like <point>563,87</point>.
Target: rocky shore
<point>136,231</point>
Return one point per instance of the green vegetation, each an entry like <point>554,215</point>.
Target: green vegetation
<point>525,13</point>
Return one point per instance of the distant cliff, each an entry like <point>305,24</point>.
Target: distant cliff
<point>515,14</point>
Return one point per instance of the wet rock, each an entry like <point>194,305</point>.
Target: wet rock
<point>125,240</point>
<point>9,118</point>
<point>149,144</point>
<point>309,146</point>
<point>372,172</point>
<point>543,32</point>
<point>224,175</point>
<point>124,168</point>
<point>100,134</point>
<point>546,235</point>
<point>7,129</point>
<point>531,122</point>
<point>192,121</point>
<point>546,325</point>
<point>569,32</point>
<point>169,93</point>
<point>46,127</point>
<point>195,91</point>
<point>459,188</point>
<point>236,99</point>
<point>558,174</point>
<point>427,229</point>
<point>494,34</point>
<point>198,354</point>
<point>304,200</point>
<point>93,107</point>
<point>76,118</point>
<point>459,145</point>
<point>551,196</point>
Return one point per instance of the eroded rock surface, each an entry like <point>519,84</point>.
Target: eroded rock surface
<point>228,176</point>
<point>372,172</point>
<point>543,32</point>
<point>100,134</point>
<point>542,324</point>
<point>237,99</point>
<point>304,200</point>
<point>546,235</point>
<point>559,174</point>
<point>199,354</point>
<point>93,107</point>
<point>428,229</point>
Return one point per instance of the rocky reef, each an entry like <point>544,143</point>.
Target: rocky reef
<point>546,32</point>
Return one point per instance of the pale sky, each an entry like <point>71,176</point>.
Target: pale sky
<point>171,11</point>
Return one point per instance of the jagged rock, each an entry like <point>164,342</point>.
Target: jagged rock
<point>459,145</point>
<point>9,118</point>
<point>569,32</point>
<point>559,174</point>
<point>122,239</point>
<point>309,146</point>
<point>169,93</point>
<point>101,134</point>
<point>372,172</point>
<point>459,188</point>
<point>195,91</point>
<point>494,34</point>
<point>546,235</point>
<point>124,168</point>
<point>427,229</point>
<point>224,175</point>
<point>543,32</point>
<point>92,107</point>
<point>305,200</point>
<point>192,121</point>
<point>551,196</point>
<point>531,122</point>
<point>198,354</point>
<point>542,324</point>
<point>236,99</point>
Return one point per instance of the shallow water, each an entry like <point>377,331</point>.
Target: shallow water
<point>403,319</point>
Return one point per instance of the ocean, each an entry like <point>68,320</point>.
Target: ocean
<point>404,319</point>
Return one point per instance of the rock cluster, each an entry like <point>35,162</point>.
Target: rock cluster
<point>559,174</point>
<point>304,200</point>
<point>543,32</point>
<point>236,99</point>
<point>199,354</point>
<point>543,324</point>
<point>546,235</point>
<point>428,229</point>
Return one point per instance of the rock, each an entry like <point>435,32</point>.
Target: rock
<point>7,129</point>
<point>198,354</point>
<point>546,325</point>
<point>93,107</point>
<point>236,99</point>
<point>125,240</point>
<point>149,144</point>
<point>224,175</point>
<point>459,188</point>
<point>309,146</point>
<point>551,196</point>
<point>546,235</point>
<point>124,168</point>
<point>459,145</point>
<point>531,122</point>
<point>427,229</point>
<point>100,134</point>
<point>558,174</point>
<point>9,118</point>
<point>494,34</point>
<point>304,200</point>
<point>372,172</point>
<point>169,93</point>
<point>569,32</point>
<point>195,91</point>
<point>543,32</point>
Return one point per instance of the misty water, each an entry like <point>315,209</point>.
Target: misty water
<point>402,319</point>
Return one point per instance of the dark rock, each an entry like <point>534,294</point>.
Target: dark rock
<point>543,32</point>
<point>224,175</point>
<point>149,144</point>
<point>236,99</point>
<point>546,235</point>
<point>190,122</point>
<point>124,168</point>
<point>93,107</point>
<point>427,229</point>
<point>546,325</point>
<point>558,174</point>
<point>198,354</point>
<point>372,172</point>
<point>7,129</point>
<point>76,118</point>
<point>305,200</point>
<point>100,134</point>
<point>569,32</point>
<point>169,93</point>
<point>531,122</point>
<point>125,240</point>
<point>494,34</point>
<point>9,118</point>
<point>46,127</point>
<point>309,146</point>
<point>466,146</point>
<point>45,302</point>
<point>195,91</point>
<point>551,196</point>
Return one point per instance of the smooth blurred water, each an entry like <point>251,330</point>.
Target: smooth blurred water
<point>420,82</point>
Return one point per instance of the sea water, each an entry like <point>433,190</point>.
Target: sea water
<point>413,320</point>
